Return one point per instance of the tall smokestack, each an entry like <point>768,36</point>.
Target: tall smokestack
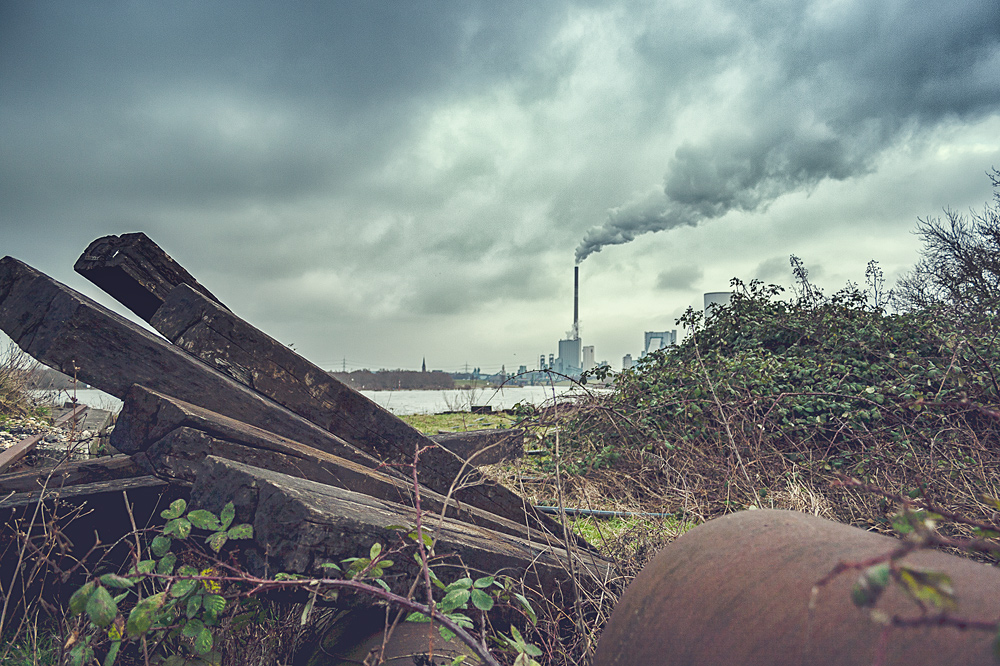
<point>576,302</point>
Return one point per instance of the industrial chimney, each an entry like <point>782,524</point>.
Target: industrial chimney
<point>576,302</point>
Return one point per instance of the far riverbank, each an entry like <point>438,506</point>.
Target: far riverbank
<point>398,402</point>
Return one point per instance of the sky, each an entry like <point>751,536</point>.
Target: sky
<point>377,183</point>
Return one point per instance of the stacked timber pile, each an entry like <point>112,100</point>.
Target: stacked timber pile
<point>217,411</point>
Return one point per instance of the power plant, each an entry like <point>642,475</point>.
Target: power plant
<point>574,359</point>
<point>570,361</point>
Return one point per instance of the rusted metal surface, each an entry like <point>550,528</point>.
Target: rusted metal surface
<point>360,634</point>
<point>736,590</point>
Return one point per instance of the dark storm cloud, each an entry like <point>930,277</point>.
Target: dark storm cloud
<point>679,278</point>
<point>194,103</point>
<point>817,91</point>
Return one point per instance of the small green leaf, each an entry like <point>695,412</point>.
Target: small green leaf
<point>453,600</point>
<point>214,603</point>
<point>193,605</point>
<point>114,580</point>
<point>182,587</point>
<point>147,566</point>
<point>241,531</point>
<point>227,515</point>
<point>484,582</point>
<point>165,566</point>
<point>101,608</point>
<point>375,550</point>
<point>933,587</point>
<point>527,607</point>
<point>481,600</point>
<point>203,643</point>
<point>178,527</point>
<point>161,545</point>
<point>141,617</point>
<point>384,585</point>
<point>81,654</point>
<point>446,633</point>
<point>330,565</point>
<point>78,602</point>
<point>428,540</point>
<point>176,510</point>
<point>460,584</point>
<point>204,520</point>
<point>109,659</point>
<point>193,628</point>
<point>217,540</point>
<point>417,617</point>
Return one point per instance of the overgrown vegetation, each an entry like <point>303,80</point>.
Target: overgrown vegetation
<point>15,373</point>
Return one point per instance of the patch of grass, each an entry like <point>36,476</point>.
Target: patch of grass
<point>603,532</point>
<point>432,424</point>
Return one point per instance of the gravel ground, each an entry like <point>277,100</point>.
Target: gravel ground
<point>54,444</point>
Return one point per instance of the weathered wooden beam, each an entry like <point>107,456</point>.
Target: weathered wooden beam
<point>484,447</point>
<point>81,492</point>
<point>299,525</point>
<point>135,271</point>
<point>171,438</point>
<point>68,331</point>
<point>70,474</point>
<point>234,347</point>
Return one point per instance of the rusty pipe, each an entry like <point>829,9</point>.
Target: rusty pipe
<point>736,591</point>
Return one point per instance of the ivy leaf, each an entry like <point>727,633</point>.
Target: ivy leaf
<point>204,520</point>
<point>176,510</point>
<point>481,600</point>
<point>527,607</point>
<point>193,605</point>
<point>227,515</point>
<point>428,540</point>
<point>460,584</point>
<point>141,617</point>
<point>933,587</point>
<point>453,600</point>
<point>217,540</point>
<point>214,603</point>
<point>78,602</point>
<point>101,608</point>
<point>160,545</point>
<point>193,628</point>
<point>182,587</point>
<point>417,617</point>
<point>484,582</point>
<point>241,531</point>
<point>870,585</point>
<point>114,580</point>
<point>203,643</point>
<point>165,566</point>
<point>178,527</point>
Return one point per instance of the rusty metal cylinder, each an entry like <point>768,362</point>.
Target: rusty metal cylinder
<point>736,591</point>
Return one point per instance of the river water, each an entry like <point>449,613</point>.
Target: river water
<point>397,402</point>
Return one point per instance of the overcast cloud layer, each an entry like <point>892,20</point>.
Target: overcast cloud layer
<point>381,182</point>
